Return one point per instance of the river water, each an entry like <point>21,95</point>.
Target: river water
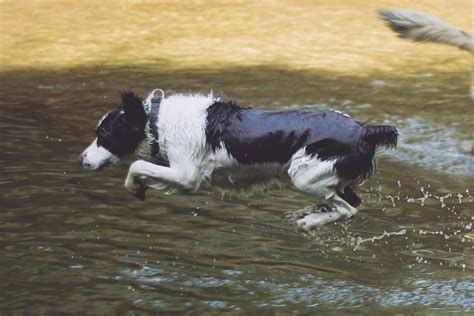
<point>74,241</point>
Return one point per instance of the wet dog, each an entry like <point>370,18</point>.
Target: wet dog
<point>183,141</point>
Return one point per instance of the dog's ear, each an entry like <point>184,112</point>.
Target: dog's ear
<point>133,108</point>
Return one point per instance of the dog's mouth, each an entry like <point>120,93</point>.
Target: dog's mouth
<point>90,167</point>
<point>96,158</point>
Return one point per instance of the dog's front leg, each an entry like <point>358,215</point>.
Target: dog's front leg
<point>142,172</point>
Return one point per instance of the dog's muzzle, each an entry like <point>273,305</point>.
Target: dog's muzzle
<point>96,158</point>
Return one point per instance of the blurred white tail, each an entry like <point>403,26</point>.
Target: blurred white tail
<point>419,26</point>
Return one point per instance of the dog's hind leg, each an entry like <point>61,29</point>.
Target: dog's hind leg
<point>319,179</point>
<point>142,173</point>
<point>338,208</point>
<point>348,194</point>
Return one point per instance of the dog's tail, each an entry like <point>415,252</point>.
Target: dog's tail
<point>381,135</point>
<point>420,26</point>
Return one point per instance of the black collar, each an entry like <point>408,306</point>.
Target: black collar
<point>153,131</point>
<point>153,127</point>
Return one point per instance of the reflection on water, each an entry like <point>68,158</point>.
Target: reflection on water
<point>72,241</point>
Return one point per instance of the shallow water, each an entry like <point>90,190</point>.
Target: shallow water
<point>73,241</point>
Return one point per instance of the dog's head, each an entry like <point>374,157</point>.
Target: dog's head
<point>118,134</point>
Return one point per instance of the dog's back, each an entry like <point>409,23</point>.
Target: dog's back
<point>254,136</point>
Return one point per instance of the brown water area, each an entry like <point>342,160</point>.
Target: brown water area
<point>73,241</point>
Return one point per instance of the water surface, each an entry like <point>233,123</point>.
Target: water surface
<point>73,241</point>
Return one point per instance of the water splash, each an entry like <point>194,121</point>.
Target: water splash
<point>374,238</point>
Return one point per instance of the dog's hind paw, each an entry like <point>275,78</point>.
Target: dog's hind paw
<point>311,221</point>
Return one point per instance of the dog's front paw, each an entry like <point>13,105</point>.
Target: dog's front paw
<point>136,187</point>
<point>299,214</point>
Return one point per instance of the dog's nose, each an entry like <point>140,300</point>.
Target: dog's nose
<point>86,165</point>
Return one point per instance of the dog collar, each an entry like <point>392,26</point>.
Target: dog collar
<point>155,102</point>
<point>152,106</point>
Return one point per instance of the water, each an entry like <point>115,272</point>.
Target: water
<point>73,241</point>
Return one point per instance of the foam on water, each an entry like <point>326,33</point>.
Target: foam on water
<point>312,290</point>
<point>431,146</point>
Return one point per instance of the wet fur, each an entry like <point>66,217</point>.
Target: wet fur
<point>202,139</point>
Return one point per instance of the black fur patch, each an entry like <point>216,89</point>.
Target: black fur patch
<point>357,164</point>
<point>328,148</point>
<point>350,196</point>
<point>381,135</point>
<point>133,108</point>
<point>217,120</point>
<point>255,136</point>
<point>252,136</point>
<point>120,132</point>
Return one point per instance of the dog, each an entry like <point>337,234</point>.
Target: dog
<point>185,140</point>
<point>424,27</point>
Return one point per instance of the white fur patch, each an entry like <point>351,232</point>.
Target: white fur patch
<point>319,179</point>
<point>182,126</point>
<point>312,175</point>
<point>95,157</point>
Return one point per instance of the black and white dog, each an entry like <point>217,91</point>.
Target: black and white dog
<point>186,140</point>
